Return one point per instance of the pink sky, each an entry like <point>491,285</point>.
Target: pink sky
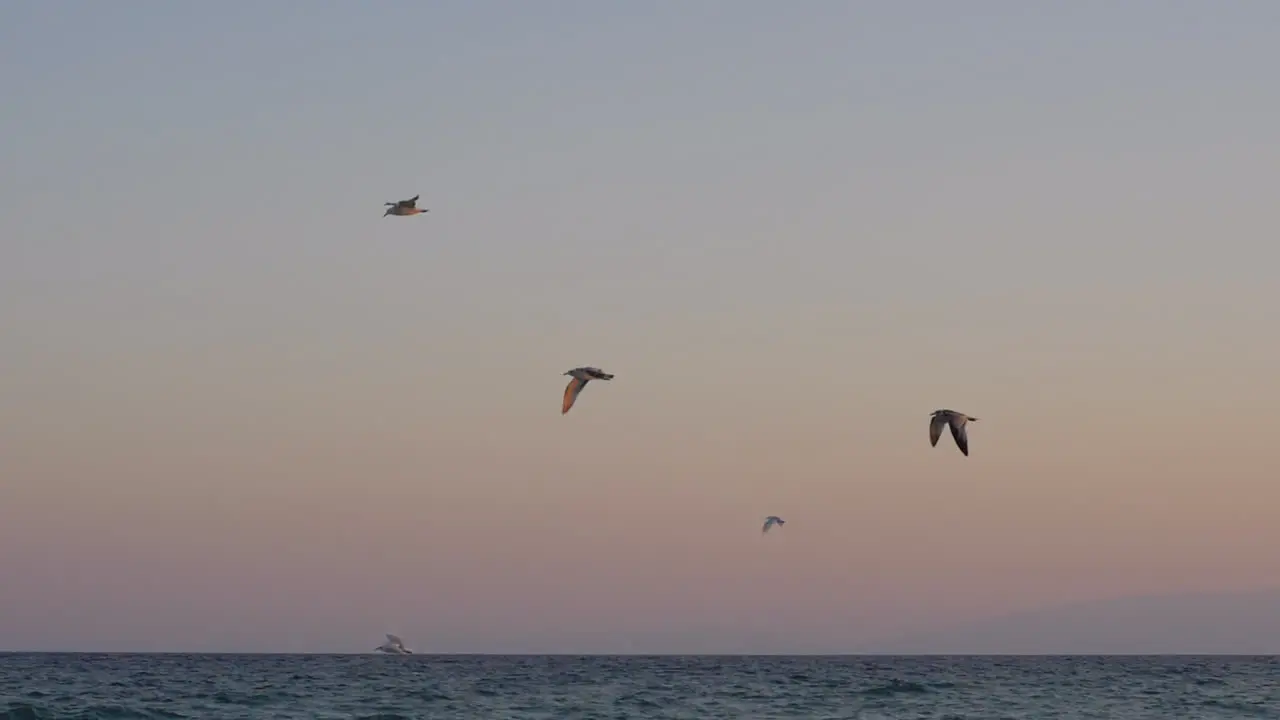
<point>245,509</point>
<point>274,420</point>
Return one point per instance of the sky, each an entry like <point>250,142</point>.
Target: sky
<point>241,411</point>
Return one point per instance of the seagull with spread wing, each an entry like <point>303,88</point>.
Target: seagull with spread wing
<point>771,521</point>
<point>393,646</point>
<point>957,422</point>
<point>581,376</point>
<point>404,207</point>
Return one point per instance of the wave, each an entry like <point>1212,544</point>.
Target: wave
<point>22,711</point>
<point>896,687</point>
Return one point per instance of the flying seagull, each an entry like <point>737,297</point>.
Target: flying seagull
<point>957,421</point>
<point>393,646</point>
<point>404,207</point>
<point>581,376</point>
<point>771,521</point>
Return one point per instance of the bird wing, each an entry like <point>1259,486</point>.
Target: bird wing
<point>393,640</point>
<point>571,393</point>
<point>768,523</point>
<point>935,429</point>
<point>411,202</point>
<point>961,437</point>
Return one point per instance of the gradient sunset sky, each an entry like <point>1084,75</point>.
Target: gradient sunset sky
<point>240,410</point>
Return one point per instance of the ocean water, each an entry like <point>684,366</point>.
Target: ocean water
<point>87,686</point>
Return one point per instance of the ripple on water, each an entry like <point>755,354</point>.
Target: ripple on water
<point>77,687</point>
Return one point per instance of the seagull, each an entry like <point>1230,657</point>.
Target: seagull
<point>404,207</point>
<point>771,521</point>
<point>581,376</point>
<point>393,646</point>
<point>957,422</point>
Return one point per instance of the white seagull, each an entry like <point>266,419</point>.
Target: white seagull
<point>957,421</point>
<point>581,376</point>
<point>393,646</point>
<point>771,521</point>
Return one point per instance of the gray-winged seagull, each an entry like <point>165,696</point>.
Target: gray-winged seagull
<point>404,207</point>
<point>581,376</point>
<point>957,421</point>
<point>771,521</point>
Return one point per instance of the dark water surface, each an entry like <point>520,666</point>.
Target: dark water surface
<point>618,688</point>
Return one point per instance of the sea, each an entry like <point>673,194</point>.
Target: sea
<point>85,686</point>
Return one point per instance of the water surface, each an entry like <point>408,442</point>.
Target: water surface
<point>83,686</point>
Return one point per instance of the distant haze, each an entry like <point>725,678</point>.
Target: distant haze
<point>242,411</point>
<point>1197,624</point>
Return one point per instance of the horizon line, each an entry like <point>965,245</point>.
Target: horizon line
<point>865,654</point>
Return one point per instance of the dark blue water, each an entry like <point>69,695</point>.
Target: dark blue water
<point>423,686</point>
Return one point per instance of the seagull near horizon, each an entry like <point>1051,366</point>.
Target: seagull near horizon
<point>404,207</point>
<point>581,376</point>
<point>393,646</point>
<point>771,521</point>
<point>957,421</point>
